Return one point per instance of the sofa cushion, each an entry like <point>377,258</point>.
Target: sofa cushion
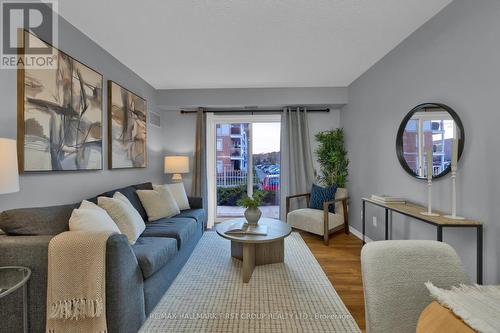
<point>129,192</point>
<point>153,253</point>
<point>183,229</point>
<point>197,214</point>
<point>37,221</point>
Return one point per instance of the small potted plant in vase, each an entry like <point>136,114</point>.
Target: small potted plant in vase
<point>252,212</point>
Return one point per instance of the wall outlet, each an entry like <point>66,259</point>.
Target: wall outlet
<point>374,221</point>
<point>361,213</point>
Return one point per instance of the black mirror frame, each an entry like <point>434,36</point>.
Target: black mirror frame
<point>399,137</point>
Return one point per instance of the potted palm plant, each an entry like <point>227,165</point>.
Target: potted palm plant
<point>332,157</point>
<point>252,212</point>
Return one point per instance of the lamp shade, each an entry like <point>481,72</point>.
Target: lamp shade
<point>9,175</point>
<point>176,164</point>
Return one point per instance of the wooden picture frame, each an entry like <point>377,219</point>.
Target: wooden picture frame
<point>59,115</point>
<point>127,128</point>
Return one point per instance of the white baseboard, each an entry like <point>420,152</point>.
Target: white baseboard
<point>358,234</point>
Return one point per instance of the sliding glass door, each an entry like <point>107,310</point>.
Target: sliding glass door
<point>243,156</point>
<point>266,159</point>
<point>233,172</point>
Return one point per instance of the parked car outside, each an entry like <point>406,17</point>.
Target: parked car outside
<point>271,183</point>
<point>274,170</point>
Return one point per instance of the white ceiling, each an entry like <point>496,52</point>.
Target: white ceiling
<point>183,44</point>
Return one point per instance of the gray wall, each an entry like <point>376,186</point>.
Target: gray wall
<point>65,187</point>
<point>454,59</point>
<point>264,97</point>
<point>178,132</point>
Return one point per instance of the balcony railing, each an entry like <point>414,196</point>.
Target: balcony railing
<point>229,178</point>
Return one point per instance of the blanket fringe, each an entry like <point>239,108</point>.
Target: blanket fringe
<point>54,331</point>
<point>76,309</point>
<point>445,298</point>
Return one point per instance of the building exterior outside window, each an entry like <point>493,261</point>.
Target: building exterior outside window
<point>232,147</point>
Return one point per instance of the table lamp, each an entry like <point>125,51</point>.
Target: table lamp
<point>176,165</point>
<point>9,175</point>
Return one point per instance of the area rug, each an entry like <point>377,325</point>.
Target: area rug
<point>208,295</point>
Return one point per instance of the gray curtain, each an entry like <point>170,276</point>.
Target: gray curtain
<point>297,171</point>
<point>199,178</point>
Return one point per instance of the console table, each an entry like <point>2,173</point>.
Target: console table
<point>413,210</point>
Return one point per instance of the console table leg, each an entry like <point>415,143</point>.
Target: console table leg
<point>386,224</point>
<point>363,218</point>
<point>479,241</point>
<point>390,224</point>
<point>439,233</point>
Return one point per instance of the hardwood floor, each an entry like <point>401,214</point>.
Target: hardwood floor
<point>341,263</point>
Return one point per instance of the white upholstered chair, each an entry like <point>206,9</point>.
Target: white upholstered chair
<point>394,273</point>
<point>320,222</point>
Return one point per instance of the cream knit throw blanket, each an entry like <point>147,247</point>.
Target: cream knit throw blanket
<point>76,281</point>
<point>478,306</point>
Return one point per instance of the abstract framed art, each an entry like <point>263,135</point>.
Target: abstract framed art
<point>59,115</point>
<point>127,128</point>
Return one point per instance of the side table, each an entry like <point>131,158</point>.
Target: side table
<point>11,279</point>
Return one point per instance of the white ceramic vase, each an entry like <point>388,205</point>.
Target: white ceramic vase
<point>252,215</point>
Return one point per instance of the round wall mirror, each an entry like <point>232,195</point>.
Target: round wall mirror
<point>430,128</point>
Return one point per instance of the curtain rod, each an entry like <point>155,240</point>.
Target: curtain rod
<point>253,111</point>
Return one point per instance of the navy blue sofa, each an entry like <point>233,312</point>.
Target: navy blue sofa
<point>137,275</point>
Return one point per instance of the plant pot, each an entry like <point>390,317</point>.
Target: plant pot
<point>252,215</point>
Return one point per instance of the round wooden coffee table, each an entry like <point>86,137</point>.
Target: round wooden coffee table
<point>257,250</point>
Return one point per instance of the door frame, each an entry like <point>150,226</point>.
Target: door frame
<point>211,140</point>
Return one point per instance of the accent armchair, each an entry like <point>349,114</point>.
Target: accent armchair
<point>394,273</point>
<point>320,222</point>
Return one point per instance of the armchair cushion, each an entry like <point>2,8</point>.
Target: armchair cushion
<point>321,194</point>
<point>311,220</point>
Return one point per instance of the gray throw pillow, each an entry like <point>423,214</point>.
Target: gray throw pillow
<point>37,221</point>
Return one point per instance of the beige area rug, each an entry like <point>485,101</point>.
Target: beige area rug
<point>208,295</point>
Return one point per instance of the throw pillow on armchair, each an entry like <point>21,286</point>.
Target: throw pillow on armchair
<point>319,195</point>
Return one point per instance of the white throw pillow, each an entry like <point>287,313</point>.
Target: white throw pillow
<point>126,217</point>
<point>164,190</point>
<point>90,205</point>
<point>121,197</point>
<point>179,193</point>
<point>158,203</point>
<point>90,217</point>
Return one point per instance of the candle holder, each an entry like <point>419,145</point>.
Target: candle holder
<point>429,200</point>
<point>453,215</point>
